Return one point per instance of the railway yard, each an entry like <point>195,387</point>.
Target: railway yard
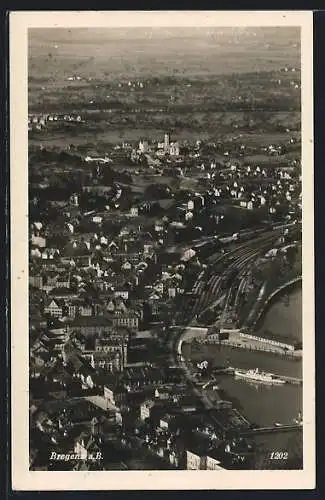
<point>226,278</point>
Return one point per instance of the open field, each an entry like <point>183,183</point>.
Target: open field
<point>192,82</point>
<point>95,53</point>
<point>230,126</point>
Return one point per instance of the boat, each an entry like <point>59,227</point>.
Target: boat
<point>257,376</point>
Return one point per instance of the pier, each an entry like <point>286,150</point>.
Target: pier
<point>291,380</point>
<point>262,347</point>
<point>270,429</point>
<point>229,370</point>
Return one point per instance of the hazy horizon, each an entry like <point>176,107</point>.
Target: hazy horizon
<point>214,50</point>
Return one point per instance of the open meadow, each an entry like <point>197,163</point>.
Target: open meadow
<point>193,82</point>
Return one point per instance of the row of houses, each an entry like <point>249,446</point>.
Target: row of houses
<point>42,119</point>
<point>85,318</point>
<point>198,448</point>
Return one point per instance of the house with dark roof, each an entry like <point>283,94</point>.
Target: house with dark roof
<point>212,462</point>
<point>165,421</point>
<point>63,293</point>
<point>92,325</point>
<point>63,281</point>
<point>88,447</point>
<point>145,409</point>
<point>55,307</point>
<point>194,459</point>
<point>108,361</point>
<point>35,280</point>
<point>129,319</point>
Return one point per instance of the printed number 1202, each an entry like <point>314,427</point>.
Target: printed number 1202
<point>279,455</point>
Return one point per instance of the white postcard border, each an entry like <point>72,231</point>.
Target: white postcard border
<point>22,478</point>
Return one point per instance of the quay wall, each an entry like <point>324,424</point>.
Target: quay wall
<point>295,355</point>
<point>271,342</point>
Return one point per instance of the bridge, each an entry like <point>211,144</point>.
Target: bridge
<point>270,429</point>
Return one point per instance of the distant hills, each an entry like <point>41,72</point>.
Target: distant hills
<point>143,51</point>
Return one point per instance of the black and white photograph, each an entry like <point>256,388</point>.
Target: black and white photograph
<point>162,248</point>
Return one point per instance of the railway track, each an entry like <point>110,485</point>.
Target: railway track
<point>239,258</point>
